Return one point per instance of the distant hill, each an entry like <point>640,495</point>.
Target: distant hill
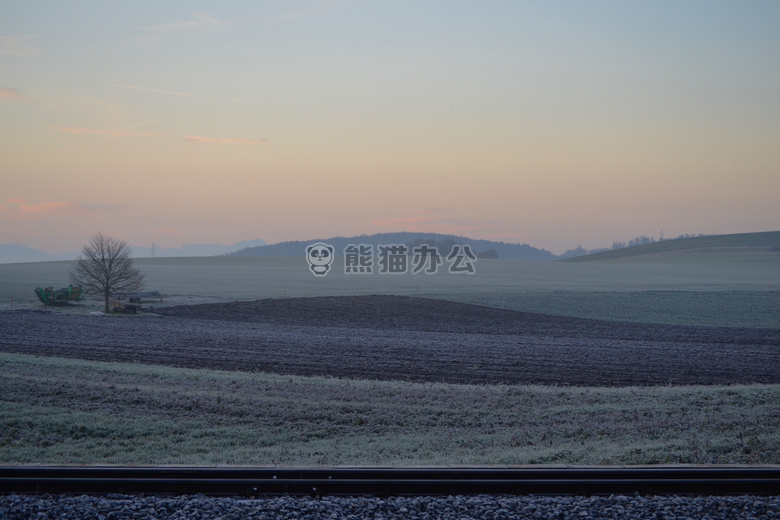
<point>15,253</point>
<point>196,249</point>
<point>768,241</point>
<point>504,250</point>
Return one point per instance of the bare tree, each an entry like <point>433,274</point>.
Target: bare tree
<point>105,266</point>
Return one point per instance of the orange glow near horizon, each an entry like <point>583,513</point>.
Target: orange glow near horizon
<point>548,125</point>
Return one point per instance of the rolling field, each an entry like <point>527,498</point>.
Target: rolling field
<point>739,289</point>
<point>59,410</point>
<point>407,339</point>
<point>223,383</point>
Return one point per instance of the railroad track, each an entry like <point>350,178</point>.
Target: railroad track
<point>263,481</point>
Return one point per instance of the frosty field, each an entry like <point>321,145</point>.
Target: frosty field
<point>232,391</point>
<point>59,410</point>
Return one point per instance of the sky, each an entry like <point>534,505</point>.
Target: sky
<point>551,123</point>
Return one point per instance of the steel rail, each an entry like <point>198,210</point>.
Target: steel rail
<point>262,481</point>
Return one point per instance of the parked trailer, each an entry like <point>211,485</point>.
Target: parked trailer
<point>135,299</point>
<point>49,296</point>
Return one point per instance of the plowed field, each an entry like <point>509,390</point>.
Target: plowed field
<point>401,338</point>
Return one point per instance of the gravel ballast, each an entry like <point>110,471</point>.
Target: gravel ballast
<point>454,507</point>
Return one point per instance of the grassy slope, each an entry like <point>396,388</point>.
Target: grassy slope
<point>768,241</point>
<point>71,411</point>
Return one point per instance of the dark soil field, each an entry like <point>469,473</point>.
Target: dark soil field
<point>402,338</point>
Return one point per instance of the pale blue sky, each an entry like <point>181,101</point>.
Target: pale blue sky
<point>550,123</point>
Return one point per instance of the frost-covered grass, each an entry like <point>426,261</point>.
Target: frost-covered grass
<point>56,410</point>
<point>69,411</point>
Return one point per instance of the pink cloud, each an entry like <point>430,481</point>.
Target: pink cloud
<point>45,207</point>
<point>28,210</point>
<point>16,46</point>
<point>172,92</point>
<point>111,133</point>
<point>11,93</point>
<point>215,140</point>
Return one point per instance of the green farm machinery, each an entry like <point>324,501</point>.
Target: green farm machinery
<point>49,296</point>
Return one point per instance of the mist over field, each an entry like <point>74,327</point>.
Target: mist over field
<point>197,415</point>
<point>734,286</point>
